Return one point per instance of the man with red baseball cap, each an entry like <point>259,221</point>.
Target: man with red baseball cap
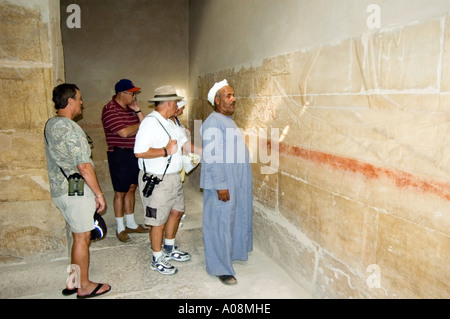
<point>126,85</point>
<point>121,118</point>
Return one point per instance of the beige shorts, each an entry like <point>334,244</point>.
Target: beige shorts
<point>167,195</point>
<point>78,211</point>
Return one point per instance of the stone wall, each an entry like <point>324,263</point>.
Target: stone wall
<point>144,41</point>
<point>357,204</point>
<point>358,190</point>
<point>30,66</point>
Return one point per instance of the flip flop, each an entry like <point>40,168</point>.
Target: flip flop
<point>68,292</point>
<point>94,292</point>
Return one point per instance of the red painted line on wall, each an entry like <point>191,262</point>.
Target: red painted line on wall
<point>400,178</point>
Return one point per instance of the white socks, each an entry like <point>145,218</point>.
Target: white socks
<point>168,246</point>
<point>131,223</point>
<point>157,254</point>
<point>120,225</point>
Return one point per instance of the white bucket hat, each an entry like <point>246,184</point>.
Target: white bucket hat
<point>165,93</point>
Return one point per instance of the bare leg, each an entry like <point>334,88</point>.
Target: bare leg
<point>80,257</point>
<point>129,200</point>
<point>172,224</point>
<point>119,199</point>
<point>156,235</point>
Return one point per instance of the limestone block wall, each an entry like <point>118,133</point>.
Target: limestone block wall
<point>358,204</point>
<point>30,66</point>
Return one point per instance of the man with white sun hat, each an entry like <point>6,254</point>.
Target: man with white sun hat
<point>158,148</point>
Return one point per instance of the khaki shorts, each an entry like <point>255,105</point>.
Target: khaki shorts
<point>167,195</point>
<point>78,211</point>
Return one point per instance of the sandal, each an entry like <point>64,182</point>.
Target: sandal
<point>94,292</point>
<point>227,280</point>
<point>68,292</point>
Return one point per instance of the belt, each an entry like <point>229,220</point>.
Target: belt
<point>175,173</point>
<point>123,149</point>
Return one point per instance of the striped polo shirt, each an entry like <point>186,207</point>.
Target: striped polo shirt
<point>115,118</point>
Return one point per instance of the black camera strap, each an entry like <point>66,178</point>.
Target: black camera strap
<point>170,157</point>
<point>62,171</point>
<point>168,163</point>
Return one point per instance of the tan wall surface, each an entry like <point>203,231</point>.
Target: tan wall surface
<point>360,168</point>
<point>30,66</point>
<point>361,188</point>
<point>144,41</point>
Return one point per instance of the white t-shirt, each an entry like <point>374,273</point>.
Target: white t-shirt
<point>151,134</point>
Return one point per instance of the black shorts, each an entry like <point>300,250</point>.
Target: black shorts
<point>123,168</point>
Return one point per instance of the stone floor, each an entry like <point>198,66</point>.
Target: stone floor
<point>125,266</point>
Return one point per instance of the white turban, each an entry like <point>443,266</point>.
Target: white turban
<point>216,87</point>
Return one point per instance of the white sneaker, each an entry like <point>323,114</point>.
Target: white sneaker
<point>163,266</point>
<point>176,254</point>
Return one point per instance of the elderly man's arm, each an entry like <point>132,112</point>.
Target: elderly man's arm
<point>171,148</point>
<point>128,131</point>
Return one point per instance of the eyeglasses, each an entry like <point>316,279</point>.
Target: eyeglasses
<point>130,93</point>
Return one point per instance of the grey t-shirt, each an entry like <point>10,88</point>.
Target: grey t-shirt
<point>66,147</point>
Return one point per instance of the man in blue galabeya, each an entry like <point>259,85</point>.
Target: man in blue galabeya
<point>226,180</point>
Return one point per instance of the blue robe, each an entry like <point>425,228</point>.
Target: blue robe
<point>227,226</point>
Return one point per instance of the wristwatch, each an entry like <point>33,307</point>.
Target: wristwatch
<point>165,151</point>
